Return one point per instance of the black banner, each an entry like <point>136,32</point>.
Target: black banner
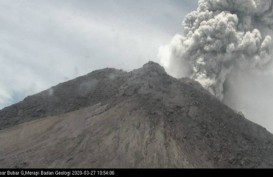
<point>130,172</point>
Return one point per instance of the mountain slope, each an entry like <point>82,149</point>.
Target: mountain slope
<point>98,86</point>
<point>143,118</point>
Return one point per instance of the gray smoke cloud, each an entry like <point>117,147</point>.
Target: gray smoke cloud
<point>220,38</point>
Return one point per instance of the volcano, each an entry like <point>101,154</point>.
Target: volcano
<point>139,119</point>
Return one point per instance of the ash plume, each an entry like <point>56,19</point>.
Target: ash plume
<point>220,38</point>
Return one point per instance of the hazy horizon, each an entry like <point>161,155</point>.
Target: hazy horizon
<point>47,42</point>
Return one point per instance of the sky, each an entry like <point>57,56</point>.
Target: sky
<point>46,42</point>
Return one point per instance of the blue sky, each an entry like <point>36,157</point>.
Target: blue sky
<point>43,43</point>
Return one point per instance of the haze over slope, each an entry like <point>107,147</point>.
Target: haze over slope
<point>143,118</point>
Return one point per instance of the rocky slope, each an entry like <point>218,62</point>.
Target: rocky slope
<point>143,118</point>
